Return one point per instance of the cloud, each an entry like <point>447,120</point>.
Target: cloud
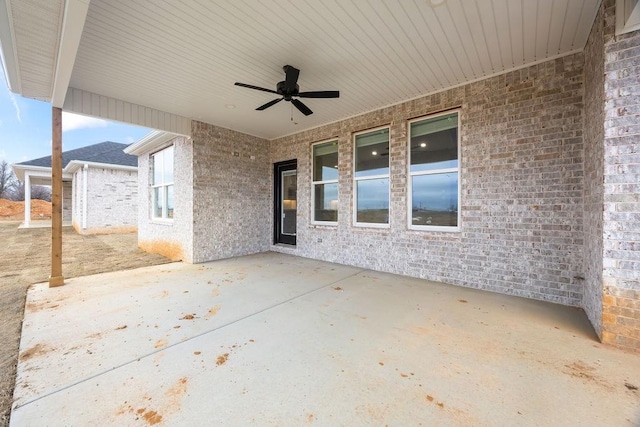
<point>12,97</point>
<point>15,105</point>
<point>74,121</point>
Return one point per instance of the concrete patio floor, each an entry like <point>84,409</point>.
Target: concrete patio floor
<point>272,339</point>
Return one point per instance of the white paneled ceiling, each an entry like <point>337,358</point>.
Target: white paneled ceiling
<point>184,57</point>
<point>36,25</point>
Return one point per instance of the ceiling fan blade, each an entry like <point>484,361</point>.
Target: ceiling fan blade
<point>300,106</point>
<point>320,94</point>
<point>291,78</point>
<point>255,87</point>
<point>269,104</point>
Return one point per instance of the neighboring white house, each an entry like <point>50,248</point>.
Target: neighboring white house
<point>100,187</point>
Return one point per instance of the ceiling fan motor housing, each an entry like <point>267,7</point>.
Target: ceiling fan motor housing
<point>281,89</point>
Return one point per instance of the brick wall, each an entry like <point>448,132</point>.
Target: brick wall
<point>231,187</point>
<point>112,200</point>
<point>594,106</point>
<point>77,198</point>
<point>173,238</point>
<point>521,178</point>
<point>67,201</point>
<point>621,226</point>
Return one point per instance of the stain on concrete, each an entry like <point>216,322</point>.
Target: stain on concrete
<point>586,372</point>
<point>222,359</point>
<point>151,417</point>
<point>37,350</point>
<point>212,312</point>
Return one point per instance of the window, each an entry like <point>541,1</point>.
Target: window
<point>325,183</point>
<point>371,178</point>
<point>162,183</point>
<point>434,193</point>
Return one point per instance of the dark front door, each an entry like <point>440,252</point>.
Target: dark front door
<point>285,202</point>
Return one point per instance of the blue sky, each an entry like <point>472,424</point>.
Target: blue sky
<point>25,128</point>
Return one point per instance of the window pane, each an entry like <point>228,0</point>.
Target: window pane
<point>325,202</point>
<point>373,201</point>
<point>168,165</point>
<point>169,201</point>
<point>435,199</point>
<point>434,143</point>
<point>157,202</point>
<point>157,168</point>
<point>325,161</point>
<point>372,153</point>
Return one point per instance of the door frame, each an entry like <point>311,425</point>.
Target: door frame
<point>278,168</point>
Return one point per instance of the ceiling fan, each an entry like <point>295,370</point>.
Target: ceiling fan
<point>289,89</point>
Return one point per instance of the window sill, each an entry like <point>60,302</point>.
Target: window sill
<point>435,229</point>
<point>161,221</point>
<point>327,224</point>
<point>372,225</point>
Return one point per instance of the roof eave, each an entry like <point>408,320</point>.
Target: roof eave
<point>150,142</point>
<point>74,165</point>
<point>39,171</point>
<point>8,49</point>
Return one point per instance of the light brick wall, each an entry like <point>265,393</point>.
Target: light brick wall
<point>77,198</point>
<point>67,201</point>
<point>521,177</point>
<point>112,200</point>
<point>594,106</point>
<point>231,193</point>
<point>173,239</point>
<point>621,227</point>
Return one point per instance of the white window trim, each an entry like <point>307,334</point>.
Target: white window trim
<point>627,16</point>
<point>328,181</point>
<point>365,178</point>
<point>164,219</point>
<point>410,176</point>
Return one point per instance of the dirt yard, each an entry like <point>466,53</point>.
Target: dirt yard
<point>9,210</point>
<point>25,259</point>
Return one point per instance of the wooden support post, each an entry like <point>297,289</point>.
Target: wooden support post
<point>56,278</point>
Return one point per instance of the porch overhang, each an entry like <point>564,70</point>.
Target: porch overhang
<point>152,64</point>
<point>153,141</point>
<point>75,165</point>
<point>38,175</point>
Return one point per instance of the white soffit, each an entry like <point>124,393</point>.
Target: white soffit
<point>152,141</point>
<point>182,58</point>
<point>35,27</point>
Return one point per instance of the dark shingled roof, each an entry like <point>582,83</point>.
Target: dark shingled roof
<point>104,152</point>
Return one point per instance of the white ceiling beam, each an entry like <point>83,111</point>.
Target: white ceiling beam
<point>8,48</point>
<point>75,15</point>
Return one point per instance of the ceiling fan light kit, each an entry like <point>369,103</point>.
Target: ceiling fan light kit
<point>288,89</point>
